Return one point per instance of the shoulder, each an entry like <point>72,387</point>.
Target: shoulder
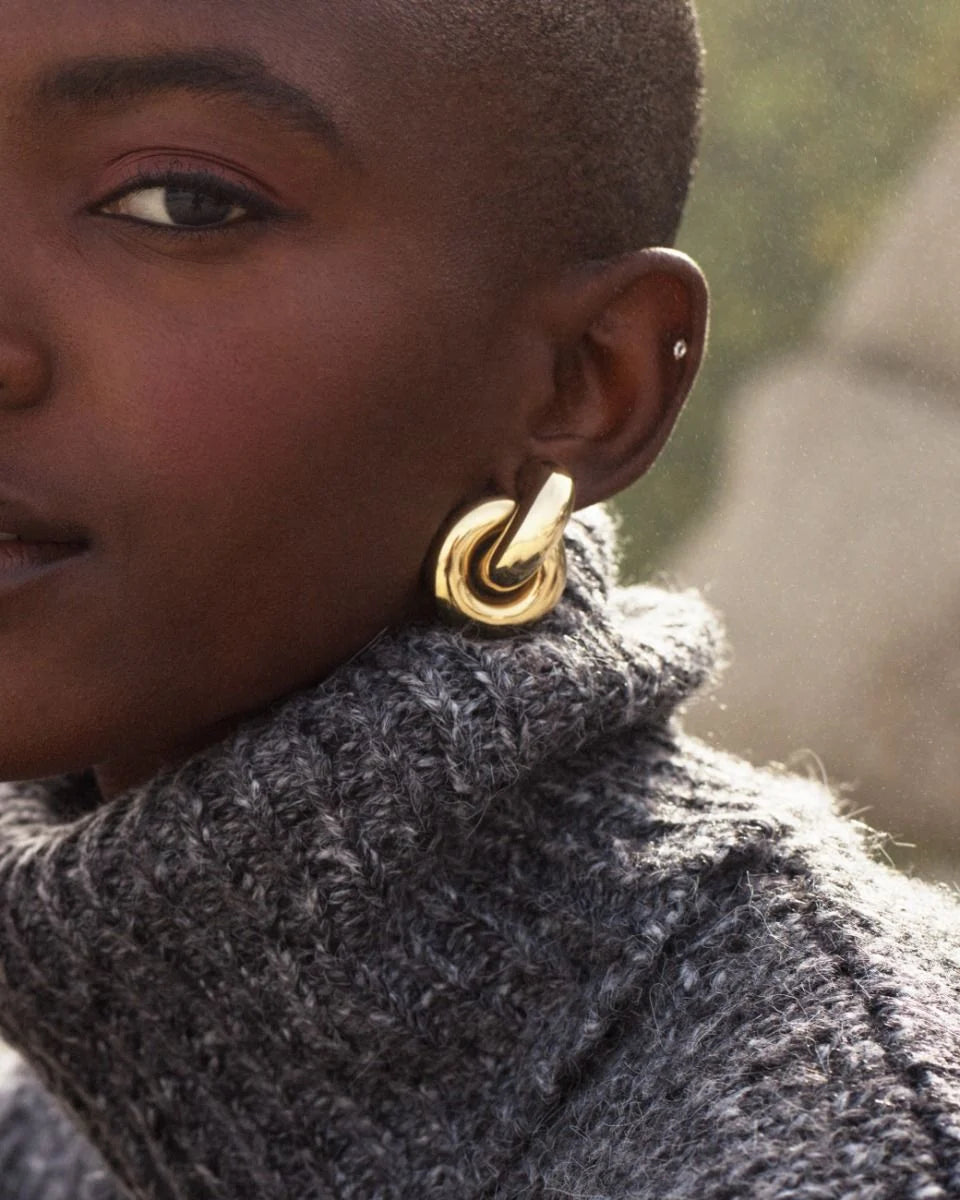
<point>760,824</point>
<point>795,1029</point>
<point>42,1155</point>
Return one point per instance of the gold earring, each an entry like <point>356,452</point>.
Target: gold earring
<point>501,563</point>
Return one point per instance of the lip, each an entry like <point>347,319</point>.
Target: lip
<point>41,543</point>
<point>28,564</point>
<point>19,556</point>
<point>33,526</point>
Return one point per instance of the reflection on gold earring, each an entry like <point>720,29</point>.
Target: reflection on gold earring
<point>501,563</point>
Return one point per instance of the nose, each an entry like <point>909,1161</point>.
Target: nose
<point>27,280</point>
<point>24,369</point>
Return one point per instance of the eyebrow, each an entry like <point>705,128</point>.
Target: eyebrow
<point>208,71</point>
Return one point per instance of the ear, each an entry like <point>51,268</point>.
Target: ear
<point>631,335</point>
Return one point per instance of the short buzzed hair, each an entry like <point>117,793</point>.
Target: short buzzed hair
<point>605,99</point>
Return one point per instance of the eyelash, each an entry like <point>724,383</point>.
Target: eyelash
<point>256,208</point>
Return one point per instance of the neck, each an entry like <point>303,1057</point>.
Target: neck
<point>136,767</point>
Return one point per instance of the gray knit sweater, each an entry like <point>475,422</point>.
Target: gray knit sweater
<point>475,919</point>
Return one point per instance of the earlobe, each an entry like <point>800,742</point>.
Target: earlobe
<point>622,381</point>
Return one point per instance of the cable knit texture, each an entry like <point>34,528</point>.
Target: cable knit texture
<point>474,919</point>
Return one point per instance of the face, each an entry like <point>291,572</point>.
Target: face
<point>252,354</point>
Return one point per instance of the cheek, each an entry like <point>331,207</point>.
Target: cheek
<point>271,416</point>
<point>281,467</point>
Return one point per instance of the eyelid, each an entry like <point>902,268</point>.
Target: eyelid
<point>256,204</point>
<point>200,177</point>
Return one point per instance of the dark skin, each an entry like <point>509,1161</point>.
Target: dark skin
<point>260,427</point>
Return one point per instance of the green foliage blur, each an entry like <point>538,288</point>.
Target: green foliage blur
<point>816,110</point>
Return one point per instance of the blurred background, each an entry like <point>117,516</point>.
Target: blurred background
<point>812,487</point>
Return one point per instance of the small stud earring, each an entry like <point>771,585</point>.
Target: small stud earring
<point>680,350</point>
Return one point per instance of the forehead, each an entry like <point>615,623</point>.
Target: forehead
<point>360,59</point>
<point>314,44</point>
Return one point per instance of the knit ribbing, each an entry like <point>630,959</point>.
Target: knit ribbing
<point>473,918</point>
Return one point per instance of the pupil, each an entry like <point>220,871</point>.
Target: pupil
<point>190,206</point>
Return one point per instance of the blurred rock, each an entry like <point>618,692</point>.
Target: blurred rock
<point>834,549</point>
<point>901,311</point>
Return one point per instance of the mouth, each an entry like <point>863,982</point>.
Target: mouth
<point>29,542</point>
<point>18,554</point>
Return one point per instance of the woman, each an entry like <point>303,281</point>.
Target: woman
<point>368,857</point>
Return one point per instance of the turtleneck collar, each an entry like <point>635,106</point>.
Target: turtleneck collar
<point>608,658</point>
<point>337,949</point>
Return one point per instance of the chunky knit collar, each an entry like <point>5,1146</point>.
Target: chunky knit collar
<point>609,658</point>
<point>331,955</point>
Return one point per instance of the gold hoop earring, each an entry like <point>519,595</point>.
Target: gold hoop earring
<point>501,563</point>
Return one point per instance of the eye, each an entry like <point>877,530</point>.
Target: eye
<point>184,202</point>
